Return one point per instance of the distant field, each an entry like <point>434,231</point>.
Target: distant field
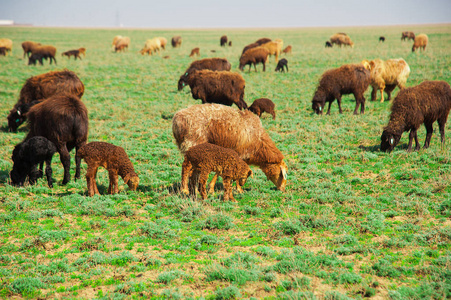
<point>354,222</point>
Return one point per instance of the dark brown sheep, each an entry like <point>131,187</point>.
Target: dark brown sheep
<point>75,53</point>
<point>221,87</point>
<point>63,120</point>
<point>262,105</point>
<point>282,65</point>
<point>28,47</point>
<point>176,41</point>
<point>328,44</point>
<point>3,51</point>
<point>347,79</point>
<point>254,56</point>
<point>382,39</point>
<point>201,160</point>
<point>230,43</point>
<point>425,103</point>
<point>213,64</point>
<point>112,158</point>
<point>223,41</point>
<point>42,52</point>
<point>409,35</point>
<point>40,87</point>
<point>195,51</point>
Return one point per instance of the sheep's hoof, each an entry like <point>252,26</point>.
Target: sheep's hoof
<point>185,191</point>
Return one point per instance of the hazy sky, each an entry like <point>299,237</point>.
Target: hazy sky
<point>224,13</point>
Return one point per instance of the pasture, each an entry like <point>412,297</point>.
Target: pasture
<point>354,222</point>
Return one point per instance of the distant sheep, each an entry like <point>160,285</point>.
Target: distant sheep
<point>115,40</point>
<point>421,41</point>
<point>223,41</point>
<point>122,43</point>
<point>7,44</point>
<point>347,79</point>
<point>201,160</point>
<point>262,41</point>
<point>425,103</point>
<point>176,41</point>
<point>112,158</point>
<point>213,64</point>
<point>391,73</point>
<point>287,50</point>
<point>328,44</point>
<point>195,51</point>
<point>28,47</point>
<point>42,52</point>
<point>163,42</point>
<point>382,39</point>
<point>151,46</point>
<point>262,105</point>
<point>283,63</point>
<point>409,35</point>
<point>341,39</point>
<point>254,56</point>
<point>274,47</point>
<point>75,53</point>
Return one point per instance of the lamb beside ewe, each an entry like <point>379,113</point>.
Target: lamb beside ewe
<point>341,39</point>
<point>253,57</point>
<point>262,105</point>
<point>425,103</point>
<point>112,158</point>
<point>421,41</point>
<point>213,64</point>
<point>283,63</point>
<point>223,41</point>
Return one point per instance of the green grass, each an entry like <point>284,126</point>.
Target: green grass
<point>354,222</point>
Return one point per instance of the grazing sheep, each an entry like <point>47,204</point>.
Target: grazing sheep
<point>287,50</point>
<point>63,119</point>
<point>274,47</point>
<point>328,44</point>
<point>421,41</point>
<point>7,44</point>
<point>224,126</point>
<point>347,79</point>
<point>341,39</point>
<point>3,51</point>
<point>75,53</point>
<point>392,72</point>
<point>122,43</point>
<point>176,41</point>
<point>40,87</point>
<point>115,40</point>
<point>112,158</point>
<point>221,87</point>
<point>42,52</point>
<point>195,51</point>
<point>409,35</point>
<point>201,160</point>
<point>163,42</point>
<point>27,156</point>
<point>253,57</point>
<point>223,40</point>
<point>262,105</point>
<point>213,64</point>
<point>151,46</point>
<point>425,103</point>
<point>382,39</point>
<point>281,64</point>
<point>230,43</point>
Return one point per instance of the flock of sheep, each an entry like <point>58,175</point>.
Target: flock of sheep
<point>212,136</point>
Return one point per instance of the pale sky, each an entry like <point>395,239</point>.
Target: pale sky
<point>224,13</point>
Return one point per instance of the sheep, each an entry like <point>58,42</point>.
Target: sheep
<point>40,87</point>
<point>27,155</point>
<point>163,42</point>
<point>425,103</point>
<point>392,72</point>
<point>262,105</point>
<point>213,64</point>
<point>151,46</point>
<point>328,44</point>
<point>63,119</point>
<point>409,35</point>
<point>421,41</point>
<point>75,53</point>
<point>341,39</point>
<point>230,43</point>
<point>281,64</point>
<point>382,39</point>
<point>115,40</point>
<point>287,50</point>
<point>262,41</point>
<point>42,52</point>
<point>347,79</point>
<point>224,126</point>
<point>176,41</point>
<point>195,51</point>
<point>250,46</point>
<point>201,160</point>
<point>223,40</point>
<point>7,44</point>
<point>221,87</point>
<point>112,158</point>
<point>122,43</point>
<point>3,51</point>
<point>274,48</point>
<point>253,57</point>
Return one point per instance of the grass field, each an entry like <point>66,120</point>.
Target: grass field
<point>354,222</point>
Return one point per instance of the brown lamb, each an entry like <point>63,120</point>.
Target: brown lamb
<point>42,52</point>
<point>421,41</point>
<point>223,41</point>
<point>163,42</point>
<point>287,50</point>
<point>347,79</point>
<point>341,39</point>
<point>221,87</point>
<point>75,53</point>
<point>409,35</point>
<point>112,158</point>
<point>176,41</point>
<point>254,56</point>
<point>241,131</point>
<point>262,105</point>
<point>425,103</point>
<point>201,160</point>
<point>213,64</point>
<point>40,87</point>
<point>195,51</point>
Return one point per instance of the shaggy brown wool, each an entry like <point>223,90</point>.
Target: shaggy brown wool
<point>409,35</point>
<point>262,105</point>
<point>213,64</point>
<point>341,39</point>
<point>254,56</point>
<point>223,41</point>
<point>75,53</point>
<point>421,41</point>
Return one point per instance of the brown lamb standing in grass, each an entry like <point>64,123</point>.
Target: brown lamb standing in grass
<point>203,159</point>
<point>262,105</point>
<point>112,158</point>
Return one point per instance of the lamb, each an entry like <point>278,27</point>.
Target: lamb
<point>40,87</point>
<point>409,35</point>
<point>201,160</point>
<point>281,64</point>
<point>223,41</point>
<point>425,103</point>
<point>7,44</point>
<point>274,47</point>
<point>42,52</point>
<point>390,73</point>
<point>382,39</point>
<point>122,43</point>
<point>176,41</point>
<point>328,44</point>
<point>151,46</point>
<point>27,155</point>
<point>112,158</point>
<point>115,40</point>
<point>421,41</point>
<point>262,105</point>
<point>347,79</point>
<point>62,119</point>
<point>195,51</point>
<point>253,57</point>
<point>75,53</point>
<point>287,50</point>
<point>213,64</point>
<point>221,87</point>
<point>341,39</point>
<point>224,126</point>
<point>163,42</point>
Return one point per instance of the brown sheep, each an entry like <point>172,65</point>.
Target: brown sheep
<point>347,79</point>
<point>274,47</point>
<point>392,72</point>
<point>122,43</point>
<point>112,158</point>
<point>254,56</point>
<point>262,105</point>
<point>282,65</point>
<point>42,52</point>
<point>287,50</point>
<point>63,120</point>
<point>3,51</point>
<point>258,43</point>
<point>425,103</point>
<point>213,64</point>
<point>230,43</point>
<point>241,131</point>
<point>7,44</point>
<point>201,160</point>
<point>28,47</point>
<point>409,35</point>
<point>176,41</point>
<point>421,41</point>
<point>195,51</point>
<point>151,46</point>
<point>40,87</point>
<point>262,41</point>
<point>341,39</point>
<point>221,87</point>
<point>223,41</point>
<point>75,53</point>
<point>163,42</point>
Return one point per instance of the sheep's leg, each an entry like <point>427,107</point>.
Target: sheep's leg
<point>255,67</point>
<point>41,167</point>
<point>429,131</point>
<point>33,175</point>
<point>203,184</point>
<point>339,104</point>
<point>193,180</point>
<point>328,109</point>
<point>228,195</point>
<point>65,160</point>
<point>287,67</point>
<point>187,169</point>
<point>239,188</point>
<point>48,172</point>
<point>113,187</point>
<point>373,94</point>
<point>441,126</point>
<point>413,135</point>
<point>264,66</point>
<point>77,162</point>
<point>91,181</point>
<point>211,189</point>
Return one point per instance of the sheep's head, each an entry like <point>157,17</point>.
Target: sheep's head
<point>277,173</point>
<point>15,119</point>
<point>132,180</point>
<point>245,175</point>
<point>182,81</point>
<point>319,101</point>
<point>389,141</point>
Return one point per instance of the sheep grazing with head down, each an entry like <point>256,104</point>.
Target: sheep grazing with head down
<point>195,51</point>
<point>213,64</point>
<point>421,41</point>
<point>224,126</point>
<point>176,41</point>
<point>151,46</point>
<point>328,44</point>
<point>75,53</point>
<point>223,41</point>
<point>112,158</point>
<point>253,57</point>
<point>425,103</point>
<point>121,43</point>
<point>262,105</point>
<point>341,39</point>
<point>382,39</point>
<point>42,52</point>
<point>287,50</point>
<point>282,65</point>
<point>347,79</point>
<point>28,47</point>
<point>409,35</point>
<point>7,44</point>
